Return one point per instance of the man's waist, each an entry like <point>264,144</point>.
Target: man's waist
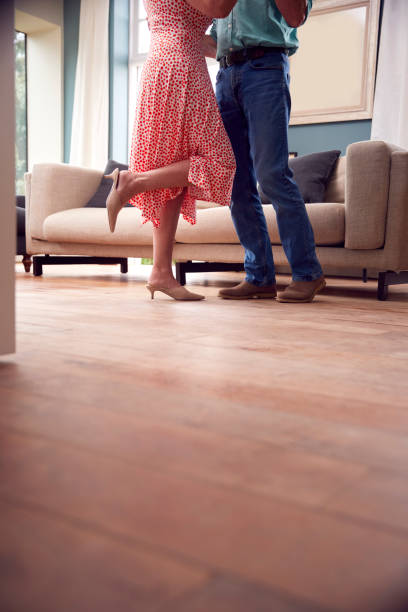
<point>240,56</point>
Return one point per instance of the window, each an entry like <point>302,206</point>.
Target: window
<point>139,40</point>
<point>21,109</point>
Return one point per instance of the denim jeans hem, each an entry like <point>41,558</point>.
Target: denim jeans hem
<point>307,277</point>
<point>258,284</point>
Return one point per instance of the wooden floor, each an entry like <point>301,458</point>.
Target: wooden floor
<point>159,456</point>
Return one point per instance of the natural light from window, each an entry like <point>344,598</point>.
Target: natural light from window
<point>21,109</point>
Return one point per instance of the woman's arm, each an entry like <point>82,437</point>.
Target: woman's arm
<point>213,8</point>
<point>294,11</point>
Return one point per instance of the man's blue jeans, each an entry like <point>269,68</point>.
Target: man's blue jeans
<point>254,102</point>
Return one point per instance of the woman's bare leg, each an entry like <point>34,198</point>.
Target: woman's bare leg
<point>163,241</point>
<point>174,175</point>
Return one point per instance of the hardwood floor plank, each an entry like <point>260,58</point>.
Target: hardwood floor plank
<point>226,594</point>
<point>311,556</point>
<point>360,444</point>
<point>204,379</point>
<point>214,456</point>
<point>50,565</point>
<point>381,497</point>
<point>253,466</point>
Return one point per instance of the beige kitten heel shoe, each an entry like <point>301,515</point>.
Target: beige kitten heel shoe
<point>177,293</point>
<point>113,202</point>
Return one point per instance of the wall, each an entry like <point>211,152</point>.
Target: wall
<point>49,10</point>
<point>327,136</point>
<point>72,10</point>
<point>44,96</point>
<point>42,21</point>
<point>7,195</point>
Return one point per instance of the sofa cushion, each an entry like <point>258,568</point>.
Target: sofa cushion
<point>98,199</point>
<point>90,226</point>
<point>311,173</point>
<point>200,204</point>
<point>214,225</point>
<point>336,187</point>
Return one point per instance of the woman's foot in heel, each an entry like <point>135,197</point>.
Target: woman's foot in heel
<point>172,288</point>
<point>125,185</point>
<point>113,201</point>
<point>151,289</point>
<point>177,293</point>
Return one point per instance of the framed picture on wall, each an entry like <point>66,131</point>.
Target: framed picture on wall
<point>333,73</point>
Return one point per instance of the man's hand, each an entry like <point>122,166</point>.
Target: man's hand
<point>209,46</point>
<point>294,11</point>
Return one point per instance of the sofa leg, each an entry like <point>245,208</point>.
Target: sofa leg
<point>180,272</point>
<point>385,279</point>
<point>37,266</point>
<point>382,289</point>
<point>55,260</point>
<point>27,262</point>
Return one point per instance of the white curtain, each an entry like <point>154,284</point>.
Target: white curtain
<point>390,117</point>
<point>90,120</point>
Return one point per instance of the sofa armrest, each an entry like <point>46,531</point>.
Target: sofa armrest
<point>367,184</point>
<point>52,188</point>
<point>396,233</point>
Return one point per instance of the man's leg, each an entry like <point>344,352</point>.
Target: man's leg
<point>246,209</point>
<point>266,103</point>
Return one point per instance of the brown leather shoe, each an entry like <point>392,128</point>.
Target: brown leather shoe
<point>301,291</point>
<point>247,291</point>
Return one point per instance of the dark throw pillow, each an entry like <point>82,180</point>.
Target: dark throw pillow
<point>311,173</point>
<point>98,199</point>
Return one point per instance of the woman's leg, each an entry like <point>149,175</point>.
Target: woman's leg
<point>174,175</point>
<point>163,241</point>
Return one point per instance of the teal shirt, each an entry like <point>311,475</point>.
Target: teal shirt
<point>254,23</point>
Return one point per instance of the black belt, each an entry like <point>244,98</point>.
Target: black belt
<point>243,55</point>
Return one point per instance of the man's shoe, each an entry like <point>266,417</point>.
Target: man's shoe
<point>301,291</point>
<point>247,291</point>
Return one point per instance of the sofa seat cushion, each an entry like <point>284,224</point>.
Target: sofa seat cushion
<point>90,226</point>
<point>214,225</point>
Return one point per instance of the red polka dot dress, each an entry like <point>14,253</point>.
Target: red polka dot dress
<point>177,116</point>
